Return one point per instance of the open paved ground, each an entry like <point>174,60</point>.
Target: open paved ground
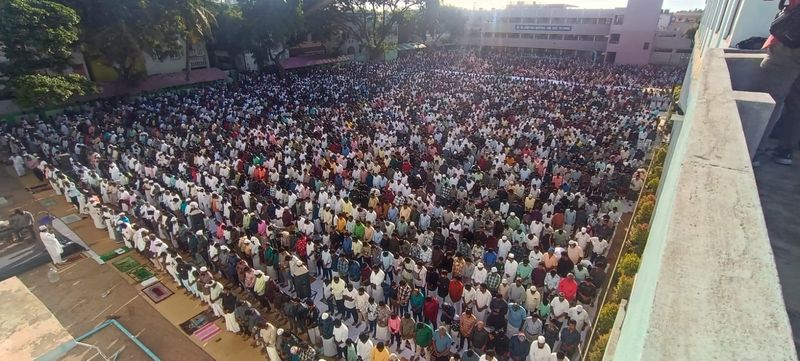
<point>88,293</point>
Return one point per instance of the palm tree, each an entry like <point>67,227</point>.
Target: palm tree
<point>197,20</point>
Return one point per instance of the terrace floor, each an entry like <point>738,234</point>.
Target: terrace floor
<point>779,189</point>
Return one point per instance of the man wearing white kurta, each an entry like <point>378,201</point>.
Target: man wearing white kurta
<point>215,295</point>
<point>19,165</point>
<point>270,337</point>
<point>482,299</point>
<point>51,244</point>
<point>540,350</point>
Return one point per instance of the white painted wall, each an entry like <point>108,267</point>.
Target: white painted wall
<point>169,65</point>
<point>174,64</point>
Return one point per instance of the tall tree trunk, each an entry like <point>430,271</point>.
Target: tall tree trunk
<point>188,66</point>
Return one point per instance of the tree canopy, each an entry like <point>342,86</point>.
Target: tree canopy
<point>118,32</point>
<point>372,22</point>
<point>271,26</point>
<point>37,37</point>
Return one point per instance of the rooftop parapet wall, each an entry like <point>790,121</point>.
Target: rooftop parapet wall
<point>708,287</point>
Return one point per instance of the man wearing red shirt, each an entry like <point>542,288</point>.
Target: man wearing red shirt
<point>780,71</point>
<point>430,309</point>
<point>569,287</point>
<point>455,291</point>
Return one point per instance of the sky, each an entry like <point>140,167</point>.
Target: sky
<point>672,5</point>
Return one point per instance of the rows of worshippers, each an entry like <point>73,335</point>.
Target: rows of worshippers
<point>435,200</point>
<point>522,63</point>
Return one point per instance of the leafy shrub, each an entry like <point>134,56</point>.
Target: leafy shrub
<point>598,348</point>
<point>605,320</point>
<point>629,264</point>
<point>623,288</point>
<point>637,239</point>
<point>645,210</point>
<point>652,185</point>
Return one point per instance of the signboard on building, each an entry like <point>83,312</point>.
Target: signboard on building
<point>543,27</point>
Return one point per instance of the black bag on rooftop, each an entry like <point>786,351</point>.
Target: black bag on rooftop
<point>786,26</point>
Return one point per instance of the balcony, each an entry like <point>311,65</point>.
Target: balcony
<point>710,285</point>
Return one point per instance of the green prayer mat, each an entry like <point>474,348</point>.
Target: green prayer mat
<point>115,253</point>
<point>141,273</point>
<point>126,264</point>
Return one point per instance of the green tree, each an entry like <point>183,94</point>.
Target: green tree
<point>271,25</point>
<point>321,19</point>
<point>41,90</point>
<point>119,32</point>
<point>372,22</point>
<point>228,30</point>
<point>37,38</point>
<point>196,21</point>
<point>438,21</point>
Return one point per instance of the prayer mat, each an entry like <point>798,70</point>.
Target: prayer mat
<point>39,188</point>
<point>71,218</point>
<point>207,332</point>
<point>141,273</point>
<point>157,292</point>
<point>48,202</point>
<point>113,254</point>
<point>126,264</point>
<point>198,321</point>
<point>149,282</point>
<point>68,260</point>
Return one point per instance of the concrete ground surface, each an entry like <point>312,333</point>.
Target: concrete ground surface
<point>779,189</point>
<point>87,293</point>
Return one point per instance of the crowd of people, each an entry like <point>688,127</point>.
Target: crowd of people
<point>376,211</point>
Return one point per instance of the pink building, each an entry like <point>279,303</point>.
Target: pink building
<point>628,35</point>
<point>633,32</point>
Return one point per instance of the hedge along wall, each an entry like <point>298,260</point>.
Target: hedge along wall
<point>622,276</point>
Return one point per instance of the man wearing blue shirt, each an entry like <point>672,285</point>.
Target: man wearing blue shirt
<point>441,343</point>
<point>516,316</point>
<point>489,258</point>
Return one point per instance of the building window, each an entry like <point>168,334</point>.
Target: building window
<point>733,20</point>
<point>646,46</point>
<point>570,37</point>
<point>488,34</point>
<point>515,20</point>
<point>475,34</point>
<point>572,20</point>
<point>528,20</point>
<point>541,36</point>
<point>683,51</point>
<point>601,38</point>
<point>618,19</point>
<point>557,21</point>
<point>513,35</point>
<point>667,35</point>
<point>589,20</point>
<point>721,16</point>
<point>543,20</point>
<point>614,39</point>
<point>662,50</point>
<point>504,19</point>
<point>556,37</point>
<point>585,37</point>
<point>501,35</point>
<point>527,36</point>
